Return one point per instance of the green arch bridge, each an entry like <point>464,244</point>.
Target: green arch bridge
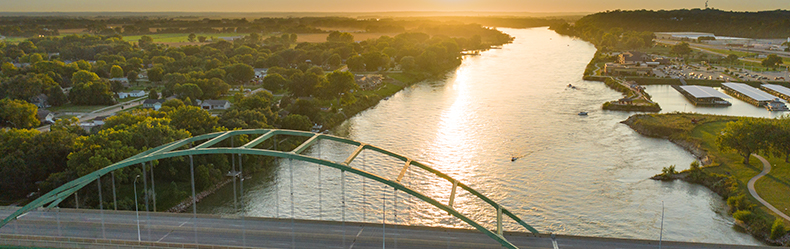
<point>203,146</point>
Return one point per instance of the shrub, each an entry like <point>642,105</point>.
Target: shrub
<point>745,216</point>
<point>737,203</point>
<point>778,229</point>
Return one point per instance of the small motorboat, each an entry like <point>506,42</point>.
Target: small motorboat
<point>582,113</point>
<point>513,159</point>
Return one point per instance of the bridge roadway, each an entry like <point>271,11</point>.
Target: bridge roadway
<point>121,226</point>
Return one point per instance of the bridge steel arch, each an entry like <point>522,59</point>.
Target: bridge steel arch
<point>54,197</point>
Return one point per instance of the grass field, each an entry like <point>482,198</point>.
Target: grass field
<point>774,188</point>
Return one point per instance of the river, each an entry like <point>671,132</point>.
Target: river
<point>579,175</point>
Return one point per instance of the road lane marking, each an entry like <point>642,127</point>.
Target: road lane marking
<point>355,238</point>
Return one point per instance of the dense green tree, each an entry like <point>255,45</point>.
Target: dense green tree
<point>243,119</point>
<point>18,114</point>
<point>239,73</point>
<point>83,76</point>
<point>193,119</point>
<point>745,136</point>
<point>339,83</point>
<point>305,84</point>
<point>155,74</point>
<point>336,36</point>
<point>191,37</point>
<point>731,58</point>
<point>681,49</point>
<point>116,72</point>
<point>407,63</point>
<point>334,60</point>
<point>274,82</point>
<point>375,60</point>
<point>189,90</point>
<point>145,42</point>
<point>212,88</point>
<point>356,63</point>
<point>772,61</point>
<point>297,122</point>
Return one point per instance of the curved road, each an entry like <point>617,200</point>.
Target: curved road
<point>750,185</point>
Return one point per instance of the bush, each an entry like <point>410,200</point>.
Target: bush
<point>737,203</point>
<point>745,216</point>
<point>778,229</point>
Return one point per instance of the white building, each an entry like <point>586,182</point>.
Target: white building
<point>134,94</point>
<point>210,104</point>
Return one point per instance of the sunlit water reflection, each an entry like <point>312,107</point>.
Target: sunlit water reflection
<point>581,175</point>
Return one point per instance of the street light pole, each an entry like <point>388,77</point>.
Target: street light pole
<point>136,211</point>
<point>661,233</point>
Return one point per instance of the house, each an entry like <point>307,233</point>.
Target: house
<point>632,57</point>
<point>368,82</point>
<point>124,81</point>
<point>135,94</point>
<point>153,104</point>
<point>46,117</point>
<point>40,101</point>
<point>100,120</point>
<point>211,104</point>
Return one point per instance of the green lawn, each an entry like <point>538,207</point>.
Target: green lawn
<point>75,108</point>
<point>774,187</point>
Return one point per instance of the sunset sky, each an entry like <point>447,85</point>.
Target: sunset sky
<point>378,5</point>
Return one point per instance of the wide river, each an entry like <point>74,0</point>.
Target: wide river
<point>579,175</point>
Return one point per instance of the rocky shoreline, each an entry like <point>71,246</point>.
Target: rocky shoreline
<point>691,147</point>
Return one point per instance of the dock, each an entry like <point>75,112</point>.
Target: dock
<point>777,90</point>
<point>703,95</point>
<point>747,93</point>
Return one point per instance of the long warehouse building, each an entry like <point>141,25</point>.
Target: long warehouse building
<point>703,95</point>
<point>747,93</point>
<point>779,91</point>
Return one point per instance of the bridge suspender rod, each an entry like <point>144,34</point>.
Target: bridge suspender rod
<point>452,193</point>
<point>499,220</point>
<point>355,154</point>
<point>403,171</point>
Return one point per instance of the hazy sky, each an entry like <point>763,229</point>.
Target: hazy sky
<point>379,5</point>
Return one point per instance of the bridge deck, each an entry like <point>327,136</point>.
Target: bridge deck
<point>121,226</point>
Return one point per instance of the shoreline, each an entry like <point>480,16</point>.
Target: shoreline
<point>725,186</point>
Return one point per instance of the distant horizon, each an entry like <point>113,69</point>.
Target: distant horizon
<point>380,6</point>
<point>417,13</point>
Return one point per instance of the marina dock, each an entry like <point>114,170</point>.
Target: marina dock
<point>703,95</point>
<point>747,93</point>
<point>777,90</point>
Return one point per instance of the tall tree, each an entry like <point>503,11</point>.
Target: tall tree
<point>18,114</point>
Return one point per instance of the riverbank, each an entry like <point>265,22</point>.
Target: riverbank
<point>722,171</point>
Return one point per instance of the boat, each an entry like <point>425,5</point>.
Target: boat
<point>776,106</point>
<point>582,113</point>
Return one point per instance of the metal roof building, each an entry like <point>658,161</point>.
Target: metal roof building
<point>703,95</point>
<point>777,90</point>
<point>747,93</point>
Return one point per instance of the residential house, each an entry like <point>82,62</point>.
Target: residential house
<point>134,94</point>
<point>100,120</point>
<point>40,101</point>
<point>124,81</point>
<point>368,82</point>
<point>46,117</point>
<point>153,103</point>
<point>211,104</point>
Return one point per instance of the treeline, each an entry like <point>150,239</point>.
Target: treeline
<point>607,39</point>
<point>751,135</point>
<point>27,26</point>
<point>762,24</point>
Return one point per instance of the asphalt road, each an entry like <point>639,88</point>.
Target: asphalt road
<point>285,233</point>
